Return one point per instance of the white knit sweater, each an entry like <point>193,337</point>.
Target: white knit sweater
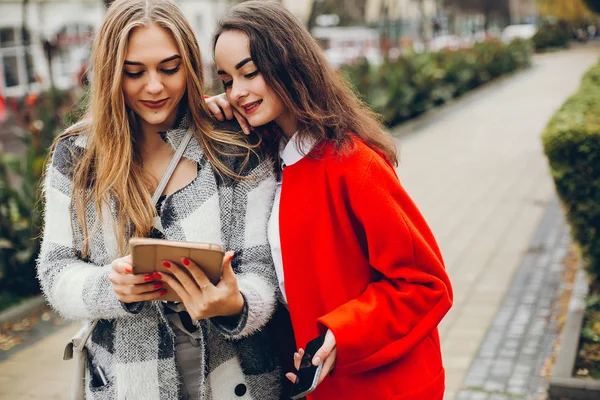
<point>135,348</point>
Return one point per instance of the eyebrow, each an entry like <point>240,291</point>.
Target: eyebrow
<point>166,60</point>
<point>237,66</point>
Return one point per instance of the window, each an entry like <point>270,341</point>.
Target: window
<point>15,56</point>
<point>73,41</point>
<point>8,37</point>
<point>10,66</point>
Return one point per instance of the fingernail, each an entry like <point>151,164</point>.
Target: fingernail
<point>317,360</point>
<point>157,285</point>
<point>128,270</point>
<point>157,275</point>
<point>166,264</point>
<point>185,261</point>
<point>162,292</point>
<point>148,277</point>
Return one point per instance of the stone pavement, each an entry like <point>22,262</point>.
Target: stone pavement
<point>521,338</point>
<point>479,176</point>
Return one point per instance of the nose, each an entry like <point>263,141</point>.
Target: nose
<point>238,91</point>
<point>154,85</point>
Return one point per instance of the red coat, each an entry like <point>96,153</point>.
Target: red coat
<point>360,260</point>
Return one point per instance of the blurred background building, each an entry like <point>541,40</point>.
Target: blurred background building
<point>47,42</point>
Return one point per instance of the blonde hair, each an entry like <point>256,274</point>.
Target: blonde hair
<point>110,167</point>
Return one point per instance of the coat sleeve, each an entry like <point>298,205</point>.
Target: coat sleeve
<point>252,262</point>
<point>398,311</point>
<point>74,288</point>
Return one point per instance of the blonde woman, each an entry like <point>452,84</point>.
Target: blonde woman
<point>146,93</point>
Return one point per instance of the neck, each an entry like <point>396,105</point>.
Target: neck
<point>147,129</point>
<point>150,142</point>
<point>288,124</point>
<point>149,138</point>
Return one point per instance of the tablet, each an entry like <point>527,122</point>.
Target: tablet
<point>148,255</point>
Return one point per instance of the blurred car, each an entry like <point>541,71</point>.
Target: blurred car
<point>522,31</point>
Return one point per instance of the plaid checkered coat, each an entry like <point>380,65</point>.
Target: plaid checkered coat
<point>135,346</point>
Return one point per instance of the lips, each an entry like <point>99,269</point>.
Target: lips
<point>249,108</point>
<point>154,104</point>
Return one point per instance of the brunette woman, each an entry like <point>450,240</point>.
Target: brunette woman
<point>354,257</point>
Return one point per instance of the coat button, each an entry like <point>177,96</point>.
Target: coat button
<point>240,390</point>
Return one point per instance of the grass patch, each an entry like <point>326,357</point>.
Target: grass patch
<point>587,364</point>
<point>8,299</point>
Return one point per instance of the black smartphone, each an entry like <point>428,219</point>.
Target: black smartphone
<point>308,375</point>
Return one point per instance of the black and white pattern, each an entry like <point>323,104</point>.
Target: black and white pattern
<point>136,349</point>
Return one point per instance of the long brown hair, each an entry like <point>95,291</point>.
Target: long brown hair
<point>293,65</point>
<point>110,167</point>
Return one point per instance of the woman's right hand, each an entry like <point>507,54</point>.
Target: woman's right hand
<point>221,109</point>
<point>130,287</point>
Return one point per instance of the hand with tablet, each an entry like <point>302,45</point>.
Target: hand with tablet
<point>198,274</point>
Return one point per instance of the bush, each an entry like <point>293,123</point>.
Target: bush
<point>414,83</point>
<point>20,219</point>
<point>20,200</point>
<point>572,145</point>
<point>550,36</point>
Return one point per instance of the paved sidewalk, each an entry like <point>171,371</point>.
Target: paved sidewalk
<point>521,339</point>
<point>478,175</point>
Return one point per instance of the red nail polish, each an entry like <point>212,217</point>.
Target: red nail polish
<point>128,270</point>
<point>185,261</point>
<point>157,285</point>
<point>166,264</point>
<point>163,292</point>
<point>157,275</point>
<point>148,277</point>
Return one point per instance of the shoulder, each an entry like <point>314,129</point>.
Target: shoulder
<point>354,159</point>
<point>68,148</point>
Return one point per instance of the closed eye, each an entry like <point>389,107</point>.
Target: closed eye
<point>251,75</point>
<point>138,74</point>
<point>227,84</point>
<point>134,74</point>
<point>171,71</point>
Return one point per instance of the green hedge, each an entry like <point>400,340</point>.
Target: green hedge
<point>414,83</point>
<point>572,145</point>
<point>20,196</point>
<point>551,36</point>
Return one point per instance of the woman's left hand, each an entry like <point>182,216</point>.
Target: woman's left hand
<point>201,298</point>
<point>326,355</point>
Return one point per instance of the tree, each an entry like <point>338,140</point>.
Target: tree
<point>593,5</point>
<point>489,8</point>
<point>565,10</point>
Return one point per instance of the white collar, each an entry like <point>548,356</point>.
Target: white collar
<point>295,149</point>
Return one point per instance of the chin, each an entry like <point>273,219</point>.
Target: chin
<point>258,120</point>
<point>154,119</point>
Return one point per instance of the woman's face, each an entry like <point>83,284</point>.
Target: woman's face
<point>244,85</point>
<point>154,79</point>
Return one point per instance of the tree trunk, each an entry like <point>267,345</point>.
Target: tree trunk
<point>422,21</point>
<point>25,34</point>
<point>312,17</point>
